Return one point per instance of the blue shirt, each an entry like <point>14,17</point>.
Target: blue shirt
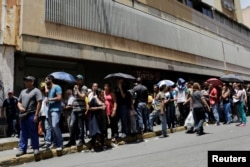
<point>53,92</point>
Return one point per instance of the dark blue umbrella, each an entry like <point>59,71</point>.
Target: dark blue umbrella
<point>64,76</point>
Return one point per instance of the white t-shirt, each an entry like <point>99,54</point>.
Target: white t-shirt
<point>70,100</point>
<point>181,95</point>
<point>44,108</point>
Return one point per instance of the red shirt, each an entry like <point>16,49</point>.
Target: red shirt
<point>109,102</point>
<point>213,100</point>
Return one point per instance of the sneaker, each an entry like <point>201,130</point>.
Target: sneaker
<point>20,153</point>
<point>123,135</point>
<point>47,146</point>
<point>163,136</point>
<point>59,149</point>
<point>80,143</point>
<point>242,125</point>
<point>216,124</point>
<point>36,151</point>
<point>52,146</point>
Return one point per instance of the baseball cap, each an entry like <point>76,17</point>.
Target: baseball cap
<point>29,78</point>
<point>79,76</point>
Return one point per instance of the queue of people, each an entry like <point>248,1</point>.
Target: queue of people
<point>124,109</point>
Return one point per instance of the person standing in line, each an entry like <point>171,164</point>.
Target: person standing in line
<point>156,104</point>
<point>79,108</point>
<point>159,109</point>
<point>182,96</point>
<point>245,97</point>
<point>205,93</point>
<point>54,113</point>
<point>68,108</point>
<point>248,98</point>
<point>93,91</point>
<point>29,102</point>
<point>235,112</point>
<point>44,116</point>
<point>97,122</point>
<point>197,104</point>
<point>141,99</point>
<point>170,108</point>
<point>189,86</point>
<point>214,102</point>
<point>9,111</point>
<point>225,97</point>
<point>124,104</point>
<point>111,105</point>
<point>241,104</point>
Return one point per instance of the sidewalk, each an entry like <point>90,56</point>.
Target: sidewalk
<point>9,146</point>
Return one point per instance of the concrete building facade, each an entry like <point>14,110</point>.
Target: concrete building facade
<point>154,39</point>
<point>246,16</point>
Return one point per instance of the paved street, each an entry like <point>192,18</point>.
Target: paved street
<point>178,150</point>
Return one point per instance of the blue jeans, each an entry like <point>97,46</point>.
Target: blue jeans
<point>153,115</point>
<point>123,113</point>
<point>28,130</point>
<point>227,107</point>
<point>77,118</point>
<point>54,118</point>
<point>143,117</point>
<point>216,113</point>
<point>48,131</point>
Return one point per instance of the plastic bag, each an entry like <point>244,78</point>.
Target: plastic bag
<point>189,122</point>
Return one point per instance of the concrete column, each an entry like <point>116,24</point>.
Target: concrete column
<point>6,70</point>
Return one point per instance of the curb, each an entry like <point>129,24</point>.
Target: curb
<point>8,145</point>
<point>46,154</point>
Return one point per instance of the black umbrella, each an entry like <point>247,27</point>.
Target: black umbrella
<point>119,75</point>
<point>231,78</point>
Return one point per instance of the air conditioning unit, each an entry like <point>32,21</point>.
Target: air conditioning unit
<point>228,4</point>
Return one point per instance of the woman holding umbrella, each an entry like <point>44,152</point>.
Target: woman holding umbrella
<point>124,104</point>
